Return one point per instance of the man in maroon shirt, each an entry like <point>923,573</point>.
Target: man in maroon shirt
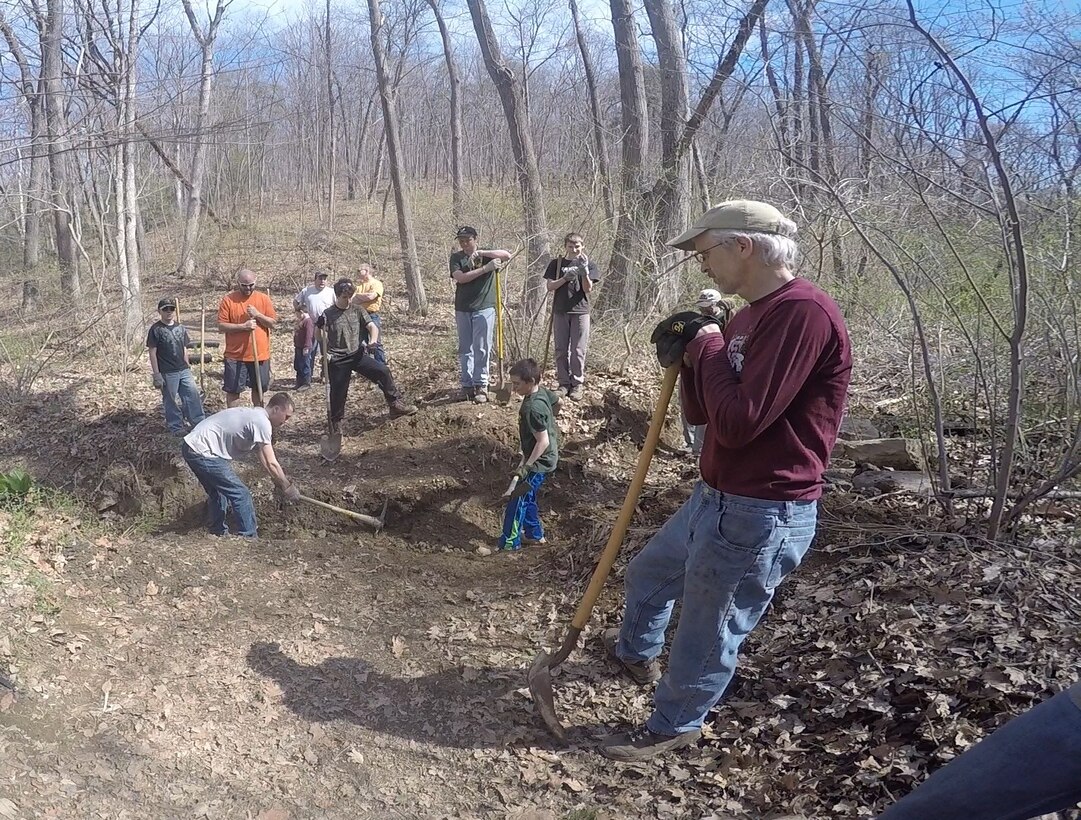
<point>771,388</point>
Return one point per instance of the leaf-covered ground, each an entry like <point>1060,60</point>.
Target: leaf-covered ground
<point>325,672</point>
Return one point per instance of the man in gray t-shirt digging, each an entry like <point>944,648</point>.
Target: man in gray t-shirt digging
<point>231,434</point>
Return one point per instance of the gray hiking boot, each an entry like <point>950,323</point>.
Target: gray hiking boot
<point>575,393</point>
<point>481,395</point>
<point>400,408</point>
<point>643,673</point>
<point>642,744</point>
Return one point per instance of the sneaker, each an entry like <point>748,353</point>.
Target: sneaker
<point>481,395</point>
<point>507,547</point>
<point>302,387</point>
<point>535,541</point>
<point>643,673</point>
<point>466,394</point>
<point>400,408</point>
<point>575,393</point>
<point>561,391</point>
<point>642,744</point>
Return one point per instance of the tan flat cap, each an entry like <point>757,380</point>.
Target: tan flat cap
<point>734,215</point>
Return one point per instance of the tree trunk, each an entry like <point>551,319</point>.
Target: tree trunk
<point>600,144</point>
<point>56,130</point>
<point>194,192</point>
<point>127,202</point>
<point>455,79</point>
<point>621,292</point>
<point>332,158</point>
<point>525,157</point>
<point>669,199</point>
<point>414,284</point>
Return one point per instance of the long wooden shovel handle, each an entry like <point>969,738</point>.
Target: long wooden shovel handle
<point>370,520</point>
<point>615,540</point>
<point>258,375</point>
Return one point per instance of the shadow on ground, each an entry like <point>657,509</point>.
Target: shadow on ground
<point>459,707</point>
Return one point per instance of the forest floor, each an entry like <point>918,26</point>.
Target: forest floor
<point>325,672</point>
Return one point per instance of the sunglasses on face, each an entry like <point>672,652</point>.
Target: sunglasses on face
<point>167,309</point>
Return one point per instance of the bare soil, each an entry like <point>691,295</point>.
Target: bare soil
<point>323,671</point>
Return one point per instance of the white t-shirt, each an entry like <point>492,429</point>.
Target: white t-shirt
<point>316,300</point>
<point>231,433</point>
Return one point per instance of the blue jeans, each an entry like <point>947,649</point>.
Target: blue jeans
<point>377,351</point>
<point>1027,768</point>
<point>180,400</point>
<point>523,516</point>
<point>224,489</point>
<point>474,345</point>
<point>303,366</point>
<point>724,555</point>
<point>316,350</point>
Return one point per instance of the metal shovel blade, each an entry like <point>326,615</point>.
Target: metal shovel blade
<point>330,446</point>
<point>540,687</point>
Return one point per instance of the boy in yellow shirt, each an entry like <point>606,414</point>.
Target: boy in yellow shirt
<point>369,296</point>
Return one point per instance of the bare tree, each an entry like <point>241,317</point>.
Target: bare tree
<point>414,284</point>
<point>600,143</point>
<point>30,86</point>
<point>621,292</point>
<point>455,80</point>
<point>63,203</point>
<point>193,191</point>
<point>525,156</point>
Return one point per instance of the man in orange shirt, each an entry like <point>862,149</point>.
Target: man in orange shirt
<point>240,312</point>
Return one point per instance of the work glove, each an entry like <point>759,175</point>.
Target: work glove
<point>159,380</point>
<point>476,260</point>
<point>496,264</point>
<point>672,335</point>
<point>291,493</point>
<point>522,472</point>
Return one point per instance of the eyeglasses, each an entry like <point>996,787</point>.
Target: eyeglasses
<point>167,309</point>
<point>698,256</point>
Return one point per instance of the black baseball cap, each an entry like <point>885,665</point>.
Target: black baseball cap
<point>166,302</point>
<point>321,274</point>
<point>466,230</point>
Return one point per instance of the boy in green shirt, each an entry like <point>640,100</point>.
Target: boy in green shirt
<point>540,454</point>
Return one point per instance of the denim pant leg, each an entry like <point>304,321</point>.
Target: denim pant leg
<point>235,492</point>
<point>170,403</point>
<point>190,400</point>
<point>740,552</point>
<point>653,582</point>
<point>217,505</point>
<point>463,322</point>
<point>483,327</point>
<point>315,353</point>
<point>377,350</point>
<point>1029,767</point>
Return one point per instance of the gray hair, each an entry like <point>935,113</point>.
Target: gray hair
<point>772,248</point>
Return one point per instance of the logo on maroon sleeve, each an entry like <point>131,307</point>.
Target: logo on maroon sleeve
<point>735,352</point>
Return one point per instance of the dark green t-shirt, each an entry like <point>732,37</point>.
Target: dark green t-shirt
<point>476,295</point>
<point>346,330</point>
<point>536,414</point>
